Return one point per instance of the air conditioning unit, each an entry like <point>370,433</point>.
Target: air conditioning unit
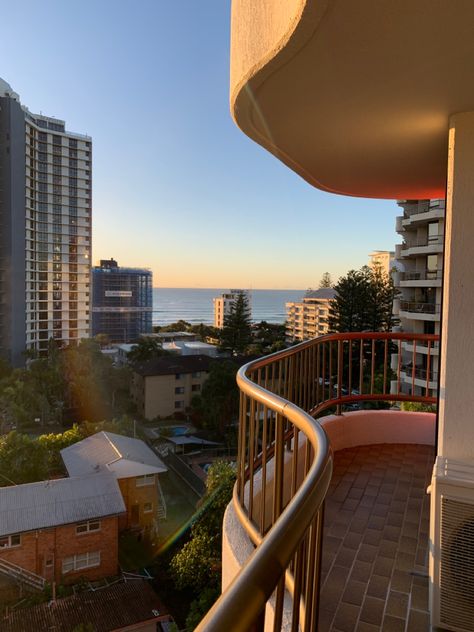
<point>452,545</point>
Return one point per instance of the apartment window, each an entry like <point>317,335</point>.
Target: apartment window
<point>147,507</point>
<point>196,387</point>
<point>145,481</point>
<point>10,541</point>
<point>80,561</point>
<point>178,376</point>
<point>196,374</point>
<point>179,390</point>
<point>433,231</point>
<point>88,526</point>
<point>179,404</point>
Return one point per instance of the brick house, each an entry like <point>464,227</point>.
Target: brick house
<point>136,468</point>
<point>166,385</point>
<point>61,530</point>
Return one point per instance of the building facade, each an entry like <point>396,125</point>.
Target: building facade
<point>166,386</point>
<point>309,318</point>
<point>72,532</point>
<point>45,236</point>
<point>223,305</point>
<point>122,302</point>
<point>135,467</point>
<point>418,278</point>
<point>382,259</point>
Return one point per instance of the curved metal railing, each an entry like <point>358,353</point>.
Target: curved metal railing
<point>284,464</point>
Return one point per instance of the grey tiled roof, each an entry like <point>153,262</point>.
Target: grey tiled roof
<point>114,608</point>
<point>106,451</point>
<point>62,501</point>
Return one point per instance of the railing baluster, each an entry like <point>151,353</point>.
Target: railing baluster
<point>372,367</point>
<point>385,360</point>
<point>361,366</point>
<point>349,362</point>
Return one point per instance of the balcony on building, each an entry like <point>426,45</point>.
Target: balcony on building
<point>366,99</point>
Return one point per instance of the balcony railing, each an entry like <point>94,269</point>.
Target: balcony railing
<point>421,275</point>
<point>419,308</point>
<point>423,241</point>
<point>285,463</point>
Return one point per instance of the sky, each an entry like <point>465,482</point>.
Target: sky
<point>177,187</point>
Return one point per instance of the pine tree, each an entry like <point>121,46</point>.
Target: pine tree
<point>363,302</point>
<point>326,280</point>
<point>236,334</point>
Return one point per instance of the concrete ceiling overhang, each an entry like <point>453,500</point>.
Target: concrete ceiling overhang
<point>354,95</point>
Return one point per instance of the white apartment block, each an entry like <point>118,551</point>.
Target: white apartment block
<point>45,247</point>
<point>419,260</point>
<point>223,305</point>
<point>383,259</point>
<point>309,318</point>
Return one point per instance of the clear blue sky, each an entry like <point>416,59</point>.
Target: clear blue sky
<point>176,186</point>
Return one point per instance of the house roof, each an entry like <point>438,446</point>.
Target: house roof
<point>57,502</point>
<point>169,365</point>
<point>113,608</point>
<point>106,451</point>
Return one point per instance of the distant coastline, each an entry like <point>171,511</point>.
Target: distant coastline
<point>195,306</point>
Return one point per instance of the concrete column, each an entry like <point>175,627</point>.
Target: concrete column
<point>456,411</point>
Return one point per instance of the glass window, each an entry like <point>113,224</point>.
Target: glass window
<point>89,525</point>
<point>433,231</point>
<point>9,541</point>
<point>179,390</point>
<point>147,507</point>
<point>145,481</point>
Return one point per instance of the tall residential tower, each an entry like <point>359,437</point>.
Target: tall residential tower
<point>45,230</point>
<point>122,302</point>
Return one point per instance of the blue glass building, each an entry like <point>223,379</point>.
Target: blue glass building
<point>122,301</point>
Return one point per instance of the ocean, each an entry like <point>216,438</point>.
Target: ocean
<point>195,305</point>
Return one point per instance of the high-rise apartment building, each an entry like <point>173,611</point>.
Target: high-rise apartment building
<point>45,230</point>
<point>122,301</point>
<point>223,305</point>
<point>309,318</point>
<point>418,278</point>
<point>383,259</point>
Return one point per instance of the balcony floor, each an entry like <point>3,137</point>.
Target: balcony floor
<point>375,551</point>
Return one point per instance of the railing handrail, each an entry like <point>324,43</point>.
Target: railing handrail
<point>243,603</point>
<point>276,549</point>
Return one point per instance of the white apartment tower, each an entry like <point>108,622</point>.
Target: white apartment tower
<point>223,305</point>
<point>383,259</point>
<point>45,238</point>
<point>309,318</point>
<point>419,280</point>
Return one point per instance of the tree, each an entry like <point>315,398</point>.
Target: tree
<point>326,280</point>
<point>218,404</point>
<point>363,302</point>
<point>197,565</point>
<point>146,349</point>
<point>236,334</point>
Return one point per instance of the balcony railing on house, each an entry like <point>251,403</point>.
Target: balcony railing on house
<point>285,463</point>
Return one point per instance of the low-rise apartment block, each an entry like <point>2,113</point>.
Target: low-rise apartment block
<point>61,530</point>
<point>166,385</point>
<point>419,262</point>
<point>135,467</point>
<point>309,318</point>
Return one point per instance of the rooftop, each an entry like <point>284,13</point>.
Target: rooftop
<point>112,608</point>
<point>57,502</point>
<point>169,365</point>
<point>105,451</point>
